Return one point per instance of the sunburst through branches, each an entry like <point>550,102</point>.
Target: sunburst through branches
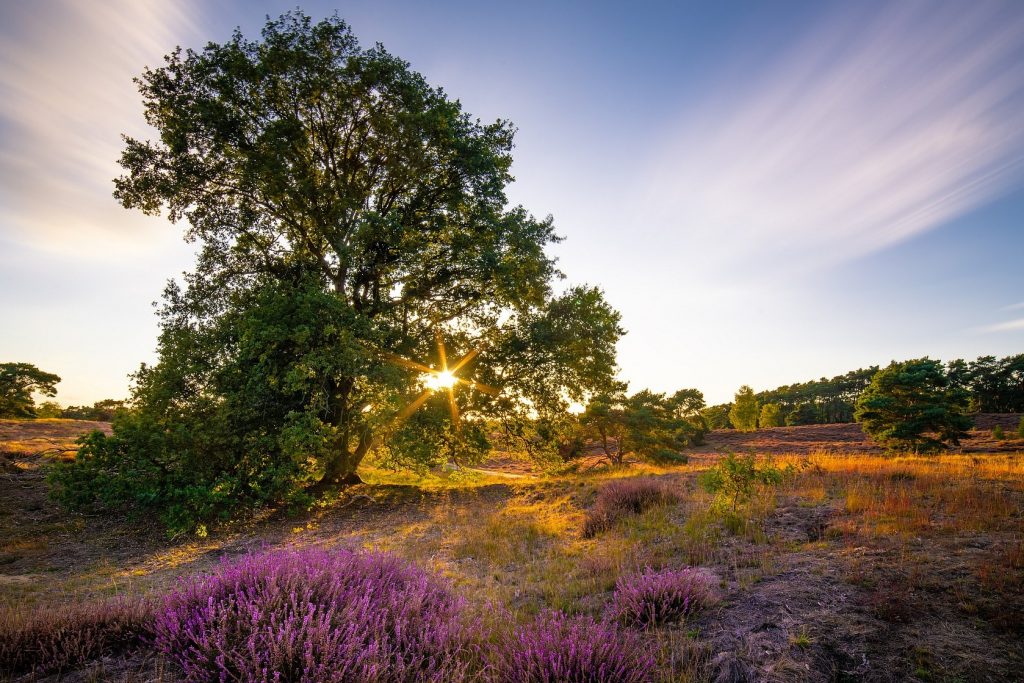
<point>434,380</point>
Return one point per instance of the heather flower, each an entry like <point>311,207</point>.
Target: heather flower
<point>622,497</point>
<point>554,648</point>
<point>653,598</point>
<point>316,616</point>
<point>52,640</point>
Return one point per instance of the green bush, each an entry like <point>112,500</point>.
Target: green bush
<point>998,434</point>
<point>1020,428</point>
<point>735,479</point>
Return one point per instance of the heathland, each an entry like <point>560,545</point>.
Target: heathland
<point>847,564</point>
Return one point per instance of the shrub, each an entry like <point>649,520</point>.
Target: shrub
<point>48,641</point>
<point>997,433</point>
<point>558,649</point>
<point>622,497</point>
<point>735,479</point>
<point>653,598</point>
<point>1020,428</point>
<point>316,616</point>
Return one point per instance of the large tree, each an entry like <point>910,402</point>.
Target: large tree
<point>913,406</point>
<point>350,216</point>
<point>18,383</point>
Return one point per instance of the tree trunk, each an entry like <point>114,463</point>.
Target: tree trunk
<point>341,471</point>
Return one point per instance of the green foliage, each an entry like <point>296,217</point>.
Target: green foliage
<point>49,410</point>
<point>717,417</point>
<point>996,385</point>
<point>997,433</point>
<point>802,414</point>
<point>771,415</point>
<point>743,414</point>
<point>346,210</point>
<point>652,425</point>
<point>1020,428</point>
<point>735,479</point>
<point>100,411</point>
<point>821,401</point>
<point>912,406</point>
<point>18,382</point>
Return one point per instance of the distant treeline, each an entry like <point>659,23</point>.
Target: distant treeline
<point>996,385</point>
<point>101,411</point>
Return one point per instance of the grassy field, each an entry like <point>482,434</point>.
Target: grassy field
<point>857,566</point>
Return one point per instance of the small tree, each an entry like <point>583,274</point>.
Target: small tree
<point>912,406</point>
<point>735,479</point>
<point>649,424</point>
<point>744,410</point>
<point>18,381</point>
<point>771,415</point>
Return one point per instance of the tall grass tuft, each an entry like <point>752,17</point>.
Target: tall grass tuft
<point>51,641</point>
<point>654,598</point>
<point>554,648</point>
<point>623,497</point>
<point>319,616</point>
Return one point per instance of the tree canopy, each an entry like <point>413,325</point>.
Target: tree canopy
<point>744,411</point>
<point>913,406</point>
<point>349,216</point>
<point>649,424</point>
<point>18,383</point>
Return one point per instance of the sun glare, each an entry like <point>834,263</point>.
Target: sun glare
<point>439,380</point>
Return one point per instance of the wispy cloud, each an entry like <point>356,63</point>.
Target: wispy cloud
<point>1008,326</point>
<point>876,127</point>
<point>65,97</point>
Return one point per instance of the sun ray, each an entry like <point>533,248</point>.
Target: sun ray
<point>465,359</point>
<point>435,380</point>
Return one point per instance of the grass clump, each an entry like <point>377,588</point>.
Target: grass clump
<point>554,648</point>
<point>317,616</point>
<point>54,640</point>
<point>623,497</point>
<point>655,598</point>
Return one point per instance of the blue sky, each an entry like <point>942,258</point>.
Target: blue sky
<point>768,192</point>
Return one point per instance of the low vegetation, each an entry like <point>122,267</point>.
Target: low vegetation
<point>620,498</point>
<point>657,598</point>
<point>904,566</point>
<point>51,641</point>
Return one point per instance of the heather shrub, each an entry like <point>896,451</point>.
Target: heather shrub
<point>623,497</point>
<point>52,640</point>
<point>653,598</point>
<point>554,648</point>
<point>317,616</point>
